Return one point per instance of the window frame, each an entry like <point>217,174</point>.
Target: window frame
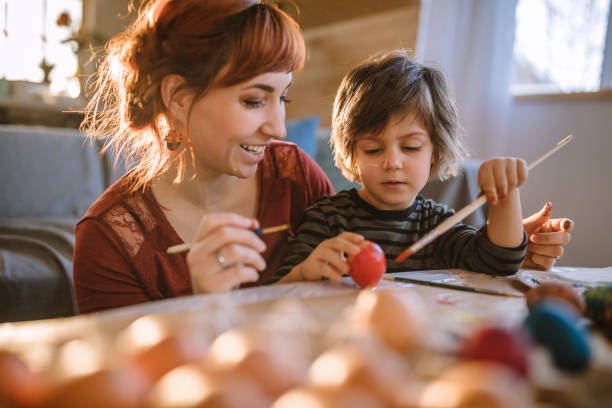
<point>605,81</point>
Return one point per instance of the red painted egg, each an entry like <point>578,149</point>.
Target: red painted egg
<point>369,265</point>
<point>498,345</point>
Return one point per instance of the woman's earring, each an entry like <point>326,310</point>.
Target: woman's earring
<point>173,140</point>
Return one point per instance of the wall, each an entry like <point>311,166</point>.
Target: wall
<point>578,178</point>
<point>339,35</point>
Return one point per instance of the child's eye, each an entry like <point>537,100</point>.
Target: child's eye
<point>284,99</point>
<point>251,104</point>
<point>372,151</point>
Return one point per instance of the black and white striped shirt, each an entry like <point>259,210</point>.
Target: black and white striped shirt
<point>463,246</point>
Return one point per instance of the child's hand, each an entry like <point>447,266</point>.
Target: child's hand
<point>328,258</point>
<point>497,177</point>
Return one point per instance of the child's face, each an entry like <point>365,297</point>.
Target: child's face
<point>394,165</point>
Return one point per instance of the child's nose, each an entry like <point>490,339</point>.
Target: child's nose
<point>392,162</point>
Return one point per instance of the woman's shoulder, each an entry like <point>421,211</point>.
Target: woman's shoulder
<point>118,202</point>
<point>287,160</point>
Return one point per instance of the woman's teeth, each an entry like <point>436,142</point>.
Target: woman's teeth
<point>253,148</point>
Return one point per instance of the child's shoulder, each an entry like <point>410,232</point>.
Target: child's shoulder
<point>341,198</point>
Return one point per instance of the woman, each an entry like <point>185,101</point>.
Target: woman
<point>194,92</point>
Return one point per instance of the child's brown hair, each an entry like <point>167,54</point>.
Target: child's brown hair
<point>393,83</point>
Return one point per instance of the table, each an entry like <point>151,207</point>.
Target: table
<point>454,314</point>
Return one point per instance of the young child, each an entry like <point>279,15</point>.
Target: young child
<point>394,128</point>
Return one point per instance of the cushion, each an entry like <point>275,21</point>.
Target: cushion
<point>36,268</point>
<point>325,159</point>
<point>47,172</point>
<point>303,132</point>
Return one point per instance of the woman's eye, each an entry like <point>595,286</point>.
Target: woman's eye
<point>250,103</point>
<point>284,99</point>
<point>411,148</point>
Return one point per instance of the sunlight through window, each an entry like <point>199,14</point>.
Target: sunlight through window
<point>559,45</point>
<point>36,45</point>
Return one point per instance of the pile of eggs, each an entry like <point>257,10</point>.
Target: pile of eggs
<point>163,363</point>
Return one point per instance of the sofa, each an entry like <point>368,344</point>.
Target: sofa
<point>50,176</point>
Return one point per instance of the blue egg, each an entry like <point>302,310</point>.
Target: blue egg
<point>557,327</point>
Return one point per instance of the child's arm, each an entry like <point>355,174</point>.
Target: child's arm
<point>499,179</point>
<point>326,260</point>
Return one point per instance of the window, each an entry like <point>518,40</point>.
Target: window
<point>36,37</point>
<point>562,46</point>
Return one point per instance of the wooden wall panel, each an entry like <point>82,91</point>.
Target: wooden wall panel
<point>336,48</point>
<point>312,13</point>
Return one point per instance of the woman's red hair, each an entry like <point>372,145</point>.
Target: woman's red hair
<point>209,43</point>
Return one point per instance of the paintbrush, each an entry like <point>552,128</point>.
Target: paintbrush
<point>177,249</point>
<point>449,286</point>
<point>467,210</point>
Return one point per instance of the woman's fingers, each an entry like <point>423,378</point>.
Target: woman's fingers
<point>536,261</point>
<point>224,280</point>
<point>212,222</point>
<point>239,254</point>
<point>238,274</point>
<point>557,224</point>
<point>559,238</point>
<point>225,253</point>
<point>552,251</point>
<point>225,236</point>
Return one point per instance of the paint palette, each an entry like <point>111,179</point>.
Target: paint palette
<point>576,277</point>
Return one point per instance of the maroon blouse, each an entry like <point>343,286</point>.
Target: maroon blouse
<point>120,250</point>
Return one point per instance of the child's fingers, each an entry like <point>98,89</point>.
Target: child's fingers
<point>522,171</point>
<point>327,271</point>
<point>327,255</point>
<point>516,173</point>
<point>347,242</point>
<point>501,179</point>
<point>486,182</point>
<point>511,174</point>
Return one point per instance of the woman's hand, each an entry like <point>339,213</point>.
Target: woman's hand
<point>225,253</point>
<point>329,259</point>
<point>547,237</point>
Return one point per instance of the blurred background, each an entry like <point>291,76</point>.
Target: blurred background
<point>525,73</point>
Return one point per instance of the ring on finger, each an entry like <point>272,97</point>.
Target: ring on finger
<point>221,260</point>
